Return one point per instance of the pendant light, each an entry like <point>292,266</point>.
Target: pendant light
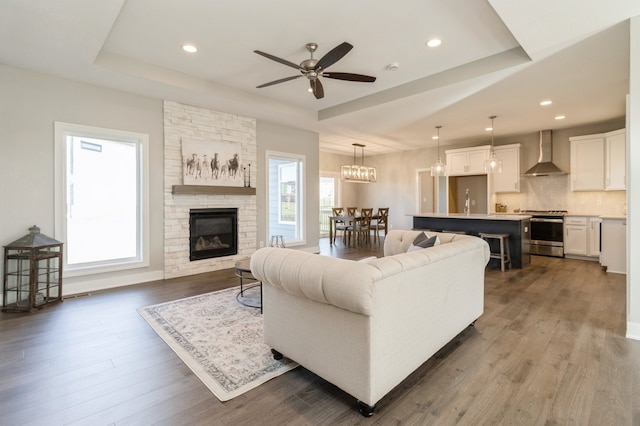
<point>358,173</point>
<point>492,164</point>
<point>438,168</point>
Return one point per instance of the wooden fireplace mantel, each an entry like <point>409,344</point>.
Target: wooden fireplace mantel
<point>212,190</point>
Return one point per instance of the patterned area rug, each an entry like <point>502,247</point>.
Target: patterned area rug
<point>219,339</point>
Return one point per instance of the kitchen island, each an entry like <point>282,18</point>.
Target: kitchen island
<point>516,225</point>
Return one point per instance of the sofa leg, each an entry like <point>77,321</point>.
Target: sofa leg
<point>276,355</point>
<point>366,409</point>
<point>473,324</point>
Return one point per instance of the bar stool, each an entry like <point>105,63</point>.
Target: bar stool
<point>504,255</point>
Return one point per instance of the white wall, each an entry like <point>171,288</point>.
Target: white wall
<point>274,137</point>
<point>30,105</point>
<point>32,102</point>
<point>633,180</point>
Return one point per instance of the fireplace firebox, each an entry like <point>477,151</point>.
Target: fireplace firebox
<point>213,233</point>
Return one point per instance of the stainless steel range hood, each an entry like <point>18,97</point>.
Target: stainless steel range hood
<point>545,166</point>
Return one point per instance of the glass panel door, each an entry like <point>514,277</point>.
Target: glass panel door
<point>329,197</point>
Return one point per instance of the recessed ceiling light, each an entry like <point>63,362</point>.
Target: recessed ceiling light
<point>393,67</point>
<point>434,42</point>
<point>559,117</point>
<point>546,102</point>
<point>435,137</point>
<point>488,129</point>
<point>189,48</point>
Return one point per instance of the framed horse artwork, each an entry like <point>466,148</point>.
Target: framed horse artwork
<point>212,163</point>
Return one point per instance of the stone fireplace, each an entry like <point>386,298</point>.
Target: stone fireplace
<point>186,121</point>
<point>212,233</point>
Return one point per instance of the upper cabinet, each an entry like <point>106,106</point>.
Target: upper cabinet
<point>587,163</point>
<point>615,161</point>
<point>466,161</point>
<point>598,162</point>
<point>509,179</point>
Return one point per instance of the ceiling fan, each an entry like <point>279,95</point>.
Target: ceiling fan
<point>315,68</point>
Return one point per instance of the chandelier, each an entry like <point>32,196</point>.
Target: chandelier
<point>438,168</point>
<point>358,173</point>
<point>492,164</point>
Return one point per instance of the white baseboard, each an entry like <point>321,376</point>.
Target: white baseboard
<point>633,330</point>
<point>87,286</point>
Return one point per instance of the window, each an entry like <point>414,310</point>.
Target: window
<point>285,196</point>
<point>101,198</point>
<point>329,198</point>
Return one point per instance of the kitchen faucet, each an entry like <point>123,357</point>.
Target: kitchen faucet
<point>466,203</point>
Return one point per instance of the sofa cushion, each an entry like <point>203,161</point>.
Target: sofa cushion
<point>423,243</point>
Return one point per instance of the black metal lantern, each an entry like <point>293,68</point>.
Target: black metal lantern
<point>32,272</point>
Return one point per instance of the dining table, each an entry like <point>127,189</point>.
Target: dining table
<point>349,220</point>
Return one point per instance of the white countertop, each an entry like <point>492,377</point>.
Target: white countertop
<point>603,216</point>
<point>490,216</point>
<point>613,216</point>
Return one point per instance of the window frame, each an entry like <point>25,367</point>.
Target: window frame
<point>300,235</point>
<point>64,130</point>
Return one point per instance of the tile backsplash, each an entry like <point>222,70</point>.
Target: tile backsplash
<point>554,193</point>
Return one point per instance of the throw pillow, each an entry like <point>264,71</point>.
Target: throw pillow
<point>429,242</point>
<point>419,238</point>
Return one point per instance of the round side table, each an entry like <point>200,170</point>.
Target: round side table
<point>243,271</point>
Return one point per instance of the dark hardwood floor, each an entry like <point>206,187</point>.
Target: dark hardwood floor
<point>549,350</point>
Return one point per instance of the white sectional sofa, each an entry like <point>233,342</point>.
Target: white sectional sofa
<point>365,326</point>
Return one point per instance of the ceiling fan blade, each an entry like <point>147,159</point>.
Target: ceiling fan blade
<point>316,87</point>
<point>349,77</point>
<point>282,80</point>
<point>334,55</point>
<point>280,60</point>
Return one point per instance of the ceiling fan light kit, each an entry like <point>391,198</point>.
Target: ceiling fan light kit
<point>313,68</point>
<point>358,173</point>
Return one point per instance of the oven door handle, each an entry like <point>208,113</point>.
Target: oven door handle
<point>534,219</point>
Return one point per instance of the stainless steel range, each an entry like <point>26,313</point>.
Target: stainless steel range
<point>547,232</point>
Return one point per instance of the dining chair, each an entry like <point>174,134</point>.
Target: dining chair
<point>351,212</point>
<point>362,227</point>
<point>380,223</point>
<point>340,225</point>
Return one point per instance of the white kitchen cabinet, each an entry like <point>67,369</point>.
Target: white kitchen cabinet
<point>587,162</point>
<point>598,162</point>
<point>509,179</point>
<point>466,161</point>
<point>615,160</point>
<point>575,235</point>
<point>614,245</point>
<point>582,236</point>
<point>593,236</point>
